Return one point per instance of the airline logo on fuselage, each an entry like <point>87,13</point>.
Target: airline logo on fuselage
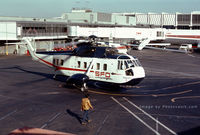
<point>102,74</point>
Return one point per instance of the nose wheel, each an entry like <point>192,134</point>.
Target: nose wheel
<point>84,87</point>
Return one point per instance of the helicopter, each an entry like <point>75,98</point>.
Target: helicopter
<point>91,62</point>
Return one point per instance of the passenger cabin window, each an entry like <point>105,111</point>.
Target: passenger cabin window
<point>104,67</point>
<point>98,66</point>
<point>58,62</point>
<point>91,65</point>
<point>79,64</point>
<point>54,61</point>
<point>85,64</point>
<point>61,62</point>
<point>159,34</point>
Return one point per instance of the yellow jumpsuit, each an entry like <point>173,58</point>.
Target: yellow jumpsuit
<point>85,106</point>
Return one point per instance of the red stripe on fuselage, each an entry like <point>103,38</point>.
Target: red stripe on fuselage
<point>121,47</point>
<point>184,36</point>
<point>48,63</point>
<point>62,68</point>
<point>71,69</point>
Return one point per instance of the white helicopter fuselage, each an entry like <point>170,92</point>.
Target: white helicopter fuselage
<point>117,71</point>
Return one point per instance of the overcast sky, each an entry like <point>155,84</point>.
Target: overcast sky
<point>54,8</point>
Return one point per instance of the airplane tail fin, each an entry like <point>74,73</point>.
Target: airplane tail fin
<point>143,43</point>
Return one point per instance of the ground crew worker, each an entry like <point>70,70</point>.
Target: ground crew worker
<point>86,106</point>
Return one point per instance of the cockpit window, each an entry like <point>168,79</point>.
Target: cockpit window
<point>130,63</point>
<point>138,62</point>
<point>135,63</point>
<point>120,65</point>
<point>129,72</point>
<point>126,64</point>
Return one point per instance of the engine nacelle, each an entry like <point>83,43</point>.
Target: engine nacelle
<point>79,80</point>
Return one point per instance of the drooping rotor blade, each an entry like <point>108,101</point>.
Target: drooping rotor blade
<point>16,43</point>
<point>70,43</point>
<point>90,67</point>
<point>164,49</point>
<point>73,43</point>
<point>155,48</point>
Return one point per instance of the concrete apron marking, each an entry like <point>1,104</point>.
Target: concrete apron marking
<point>99,129</point>
<point>150,116</point>
<point>53,118</point>
<point>175,86</point>
<point>7,115</point>
<point>186,97</point>
<point>135,116</point>
<point>137,95</point>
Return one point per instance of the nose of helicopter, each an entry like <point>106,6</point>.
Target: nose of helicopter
<point>138,76</point>
<point>139,72</point>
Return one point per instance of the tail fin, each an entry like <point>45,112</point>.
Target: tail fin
<point>32,51</point>
<point>43,58</point>
<point>143,43</point>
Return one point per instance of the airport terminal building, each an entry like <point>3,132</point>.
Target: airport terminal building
<point>83,22</point>
<point>13,29</point>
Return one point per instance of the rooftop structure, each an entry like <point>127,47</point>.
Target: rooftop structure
<point>89,18</point>
<point>167,20</point>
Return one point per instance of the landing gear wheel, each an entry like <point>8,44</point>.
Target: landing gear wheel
<point>54,77</point>
<point>84,87</point>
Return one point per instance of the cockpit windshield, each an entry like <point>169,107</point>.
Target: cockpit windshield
<point>126,64</point>
<point>136,63</point>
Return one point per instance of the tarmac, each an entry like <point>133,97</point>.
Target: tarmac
<point>166,102</point>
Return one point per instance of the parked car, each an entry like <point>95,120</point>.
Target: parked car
<point>186,47</point>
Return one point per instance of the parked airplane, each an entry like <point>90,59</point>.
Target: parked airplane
<point>91,62</point>
<point>184,37</point>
